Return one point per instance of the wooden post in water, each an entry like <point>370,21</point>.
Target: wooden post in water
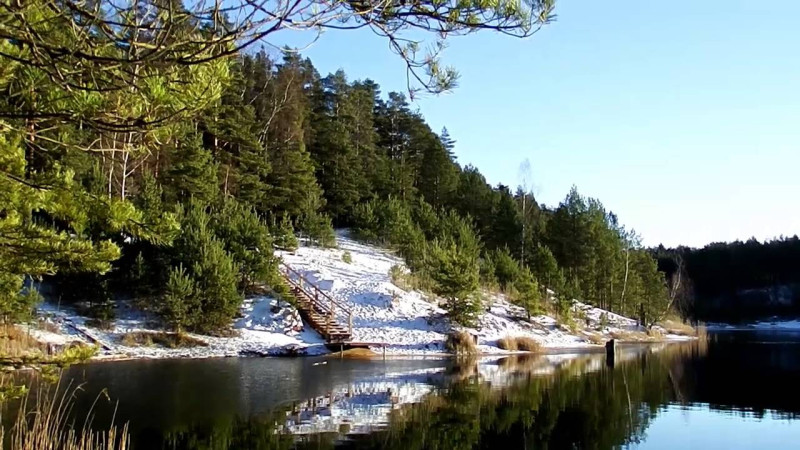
<point>611,352</point>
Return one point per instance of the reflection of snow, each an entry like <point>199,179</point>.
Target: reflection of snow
<point>365,405</point>
<point>361,408</point>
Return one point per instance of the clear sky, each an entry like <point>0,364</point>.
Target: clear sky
<point>681,117</point>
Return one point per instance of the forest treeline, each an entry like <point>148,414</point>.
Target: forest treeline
<point>736,281</point>
<point>171,178</point>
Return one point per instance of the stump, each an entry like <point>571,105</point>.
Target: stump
<point>611,352</point>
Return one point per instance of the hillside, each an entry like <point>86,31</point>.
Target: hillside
<point>406,322</point>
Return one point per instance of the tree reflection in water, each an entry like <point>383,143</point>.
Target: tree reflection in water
<point>516,402</point>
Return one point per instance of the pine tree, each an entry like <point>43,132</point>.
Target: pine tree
<point>193,172</point>
<point>248,242</point>
<point>527,292</point>
<point>452,262</point>
<point>212,269</point>
<point>180,303</point>
<point>438,173</point>
<point>293,188</point>
<point>507,269</point>
<point>332,147</point>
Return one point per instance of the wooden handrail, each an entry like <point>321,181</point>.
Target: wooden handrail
<point>330,308</point>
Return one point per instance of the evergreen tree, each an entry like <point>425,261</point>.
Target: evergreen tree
<point>333,147</point>
<point>213,271</point>
<point>193,172</point>
<point>248,242</point>
<point>453,265</point>
<point>527,292</point>
<point>180,302</point>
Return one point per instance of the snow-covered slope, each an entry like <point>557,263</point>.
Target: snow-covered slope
<point>402,322</point>
<point>406,322</point>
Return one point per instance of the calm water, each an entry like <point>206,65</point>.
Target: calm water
<point>740,390</point>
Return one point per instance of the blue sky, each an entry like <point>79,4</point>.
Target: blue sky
<point>683,118</point>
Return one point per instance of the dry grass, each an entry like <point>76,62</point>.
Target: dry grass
<point>16,342</point>
<point>655,334</point>
<point>678,328</point>
<point>408,281</point>
<point>47,425</point>
<point>100,324</point>
<point>596,339</point>
<point>527,344</point>
<point>168,340</point>
<point>629,336</point>
<point>521,343</point>
<point>354,353</point>
<point>701,332</point>
<point>46,325</point>
<point>460,343</point>
<point>507,343</point>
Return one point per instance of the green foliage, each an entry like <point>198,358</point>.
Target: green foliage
<point>212,269</point>
<point>507,269</point>
<point>452,263</point>
<point>248,242</point>
<point>347,257</point>
<point>319,229</point>
<point>527,293</point>
<point>152,175</point>
<point>179,300</point>
<point>283,235</point>
<point>488,271</point>
<point>193,173</point>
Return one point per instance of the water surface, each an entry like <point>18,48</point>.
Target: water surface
<point>739,390</point>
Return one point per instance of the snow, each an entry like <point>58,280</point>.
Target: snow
<point>384,315</point>
<point>259,331</point>
<point>770,325</point>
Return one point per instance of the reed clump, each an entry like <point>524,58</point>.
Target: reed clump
<point>519,343</point>
<point>460,343</point>
<point>163,339</point>
<point>46,424</point>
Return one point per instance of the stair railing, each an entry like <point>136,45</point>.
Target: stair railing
<point>320,300</point>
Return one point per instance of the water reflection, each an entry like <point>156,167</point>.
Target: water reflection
<point>545,401</point>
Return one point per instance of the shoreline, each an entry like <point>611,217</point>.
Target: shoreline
<point>550,351</point>
<point>399,322</point>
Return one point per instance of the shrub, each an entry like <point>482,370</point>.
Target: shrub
<point>460,343</point>
<point>136,339</point>
<point>407,281</point>
<point>604,321</point>
<point>521,343</point>
<point>526,292</point>
<point>507,343</point>
<point>168,340</point>
<point>452,263</point>
<point>179,298</point>
<point>101,316</point>
<point>247,240</point>
<point>347,257</point>
<point>506,267</point>
<point>283,235</point>
<point>487,271</point>
<point>319,229</point>
<point>527,344</point>
<point>215,298</point>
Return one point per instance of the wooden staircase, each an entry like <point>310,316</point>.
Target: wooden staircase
<point>317,308</point>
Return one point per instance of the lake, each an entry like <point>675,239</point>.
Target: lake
<point>738,390</point>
